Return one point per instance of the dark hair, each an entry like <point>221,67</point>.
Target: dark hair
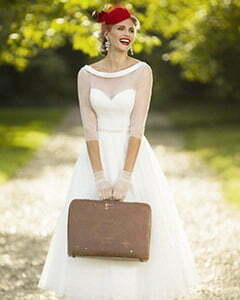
<point>108,27</point>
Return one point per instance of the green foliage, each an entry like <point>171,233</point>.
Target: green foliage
<point>212,133</point>
<point>29,27</point>
<point>50,80</point>
<point>203,35</point>
<point>204,40</point>
<point>22,132</point>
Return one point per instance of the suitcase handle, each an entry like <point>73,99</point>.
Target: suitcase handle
<point>109,199</point>
<point>107,202</point>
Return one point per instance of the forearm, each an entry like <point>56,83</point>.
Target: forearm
<point>132,152</point>
<point>122,185</point>
<point>103,185</point>
<point>94,155</point>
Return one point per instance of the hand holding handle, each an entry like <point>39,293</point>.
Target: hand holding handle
<point>104,187</point>
<point>120,188</point>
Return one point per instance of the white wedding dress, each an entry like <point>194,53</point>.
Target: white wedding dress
<point>112,104</point>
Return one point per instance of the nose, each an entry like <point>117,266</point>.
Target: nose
<point>125,34</point>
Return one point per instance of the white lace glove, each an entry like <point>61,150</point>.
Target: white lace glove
<point>104,187</point>
<point>120,188</point>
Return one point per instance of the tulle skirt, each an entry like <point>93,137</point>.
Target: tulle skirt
<point>170,271</point>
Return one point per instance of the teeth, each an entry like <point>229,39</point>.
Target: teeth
<point>124,40</point>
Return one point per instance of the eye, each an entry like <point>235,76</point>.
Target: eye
<point>131,29</point>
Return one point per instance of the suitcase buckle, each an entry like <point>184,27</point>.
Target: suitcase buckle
<point>107,204</point>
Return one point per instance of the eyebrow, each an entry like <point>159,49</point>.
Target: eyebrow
<point>125,26</point>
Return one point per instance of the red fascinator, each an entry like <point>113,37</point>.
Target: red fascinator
<point>113,16</point>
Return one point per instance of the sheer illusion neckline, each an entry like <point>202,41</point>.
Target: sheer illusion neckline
<point>116,73</point>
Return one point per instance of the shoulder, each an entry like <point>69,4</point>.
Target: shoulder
<point>82,73</point>
<point>145,75</point>
<point>147,67</point>
<point>98,65</point>
<point>146,70</point>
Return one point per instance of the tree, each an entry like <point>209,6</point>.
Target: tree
<point>30,27</point>
<point>203,35</point>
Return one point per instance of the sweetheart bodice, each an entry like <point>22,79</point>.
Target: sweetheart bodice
<point>113,112</point>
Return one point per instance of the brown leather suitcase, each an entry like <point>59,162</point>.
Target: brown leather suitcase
<point>109,229</point>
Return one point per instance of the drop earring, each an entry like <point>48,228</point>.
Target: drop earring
<point>131,51</point>
<point>107,43</point>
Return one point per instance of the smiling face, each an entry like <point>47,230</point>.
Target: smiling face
<point>122,35</point>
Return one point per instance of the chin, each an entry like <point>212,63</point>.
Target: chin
<point>125,49</point>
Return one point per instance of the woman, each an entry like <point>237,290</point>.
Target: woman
<point>118,161</point>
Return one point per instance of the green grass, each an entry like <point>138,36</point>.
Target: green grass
<point>212,133</point>
<point>22,131</point>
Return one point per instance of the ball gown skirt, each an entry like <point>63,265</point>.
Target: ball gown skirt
<point>170,271</point>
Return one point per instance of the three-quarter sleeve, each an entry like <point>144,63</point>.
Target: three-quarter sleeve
<point>88,115</point>
<point>142,102</point>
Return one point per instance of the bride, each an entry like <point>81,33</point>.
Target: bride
<point>118,161</point>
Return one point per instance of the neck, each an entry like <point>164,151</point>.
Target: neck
<point>117,60</point>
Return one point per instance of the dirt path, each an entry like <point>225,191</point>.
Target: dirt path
<point>32,200</point>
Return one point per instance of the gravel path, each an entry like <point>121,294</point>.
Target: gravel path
<point>31,201</point>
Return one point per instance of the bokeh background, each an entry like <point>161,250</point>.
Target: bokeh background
<point>193,47</point>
